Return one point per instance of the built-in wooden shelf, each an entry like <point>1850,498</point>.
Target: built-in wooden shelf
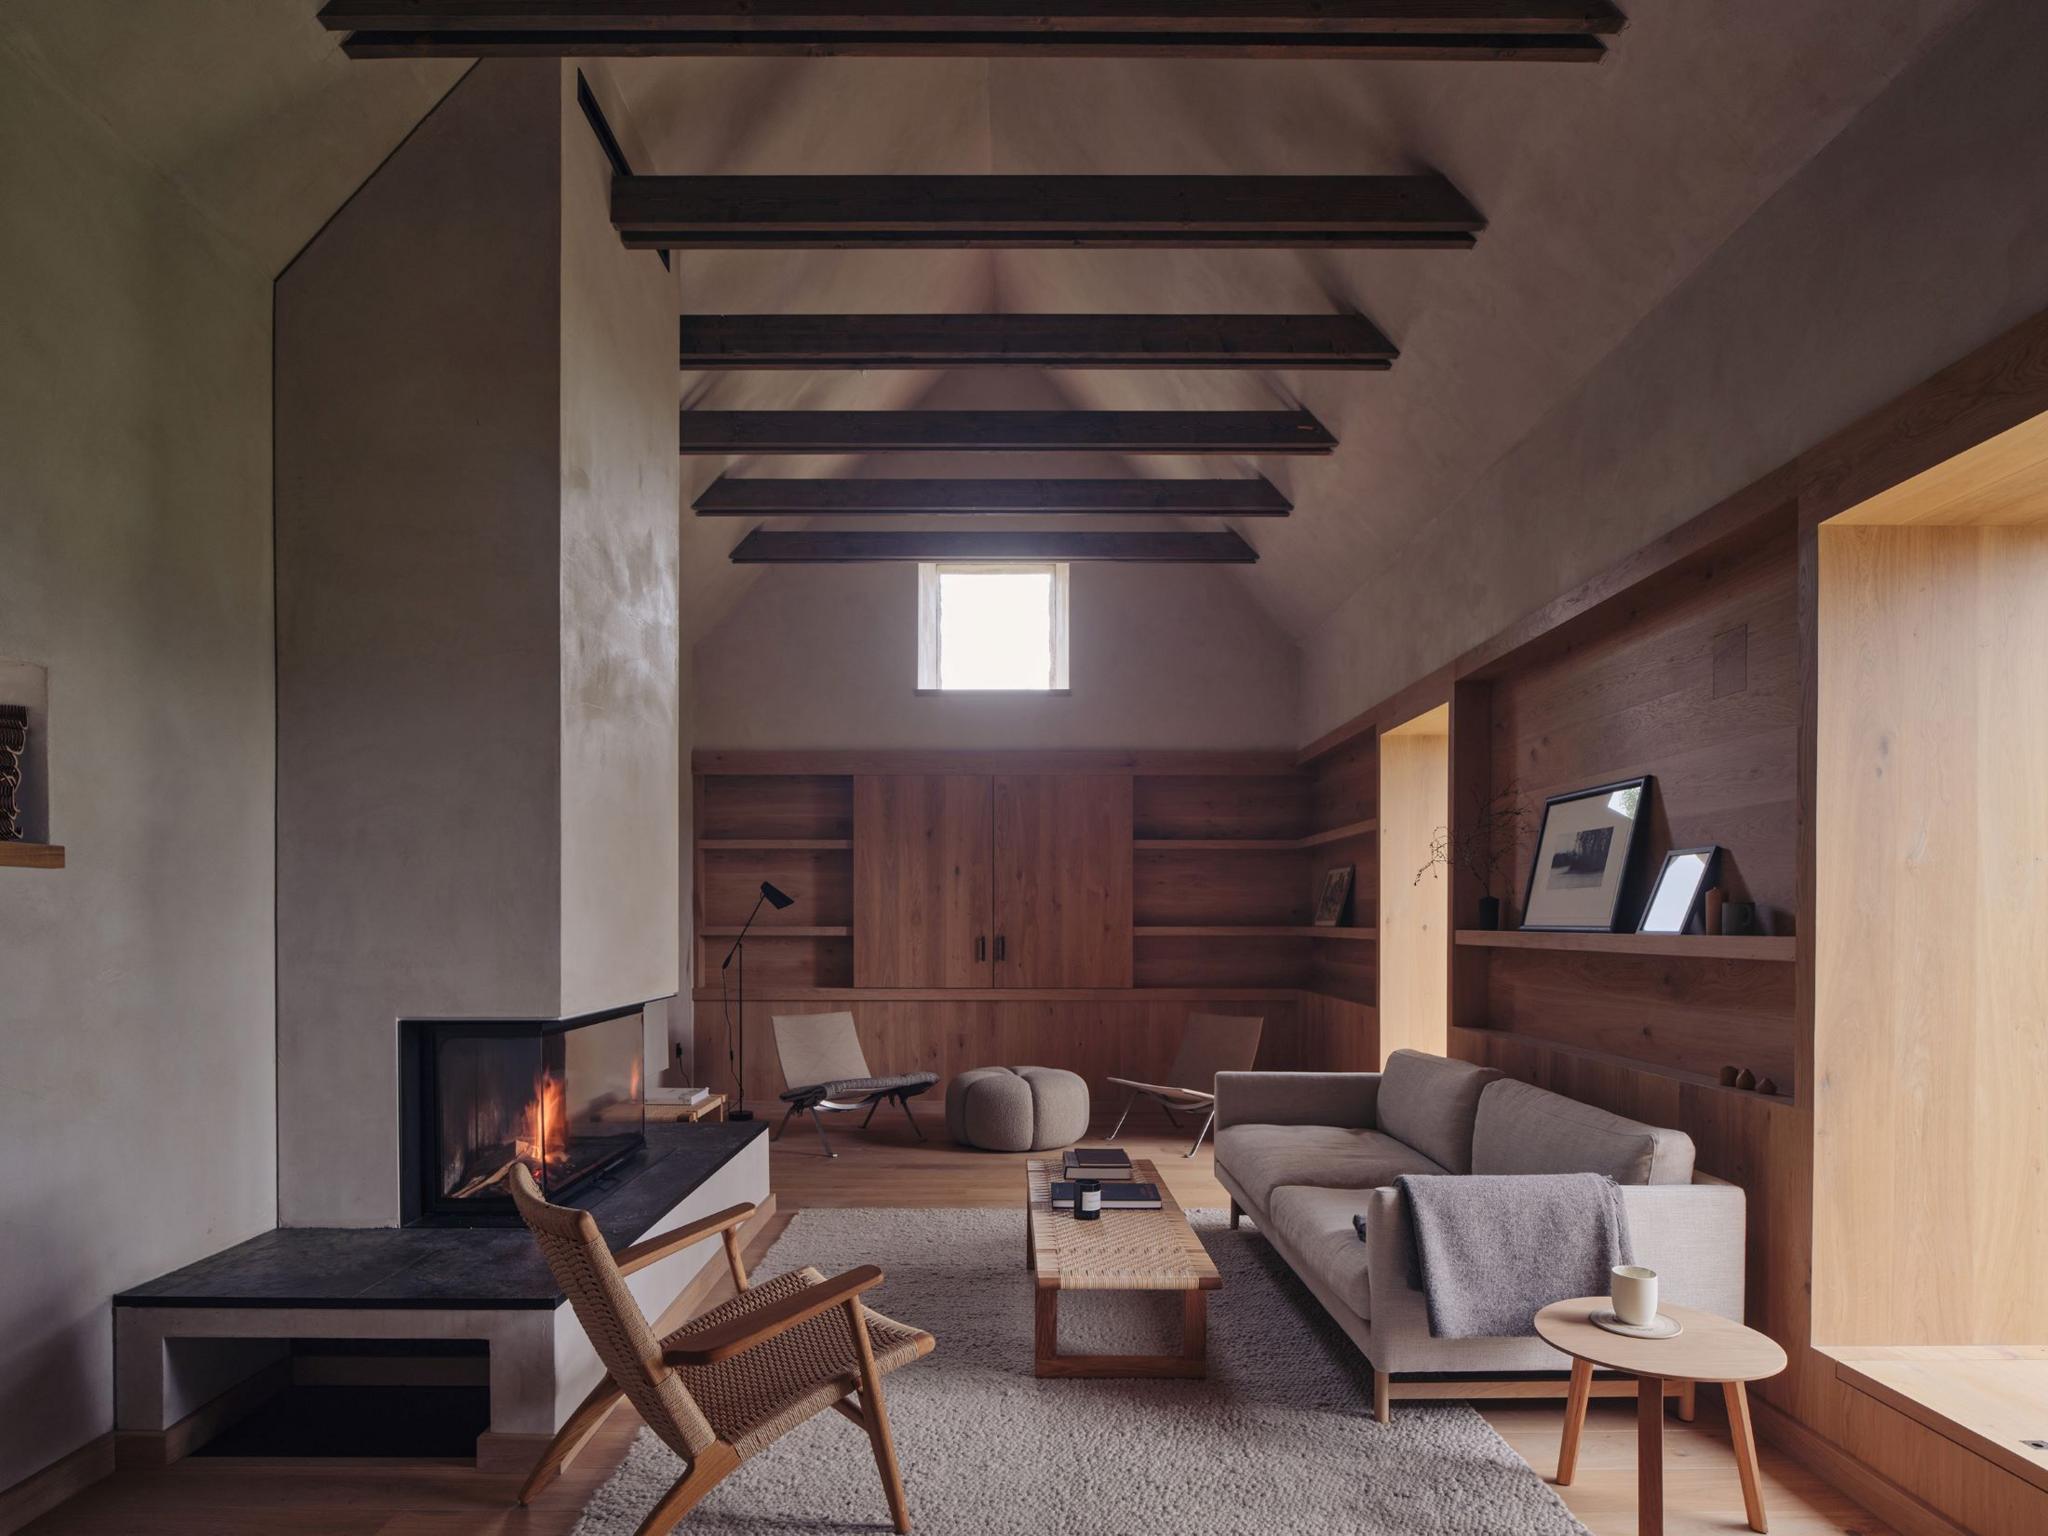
<point>1628,1063</point>
<point>775,844</point>
<point>1991,1399</point>
<point>1259,931</point>
<point>779,931</point>
<point>786,994</point>
<point>1217,844</point>
<point>1340,834</point>
<point>31,856</point>
<point>1683,945</point>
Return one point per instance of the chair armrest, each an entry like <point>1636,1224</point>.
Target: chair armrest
<point>1349,1099</point>
<point>751,1328</point>
<point>653,1250</point>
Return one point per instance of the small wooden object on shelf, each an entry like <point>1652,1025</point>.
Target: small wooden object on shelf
<point>31,855</point>
<point>1711,1349</point>
<point>664,1112</point>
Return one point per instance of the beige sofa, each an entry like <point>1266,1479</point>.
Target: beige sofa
<point>1303,1152</point>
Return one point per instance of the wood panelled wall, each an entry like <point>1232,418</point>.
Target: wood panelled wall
<point>1696,660</point>
<point>1063,909</point>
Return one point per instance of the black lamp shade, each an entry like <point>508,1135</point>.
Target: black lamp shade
<point>776,899</point>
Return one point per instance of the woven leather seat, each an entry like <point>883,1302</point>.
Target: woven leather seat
<point>850,1087</point>
<point>756,1397</point>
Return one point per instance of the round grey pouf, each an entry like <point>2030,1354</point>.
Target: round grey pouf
<point>1017,1109</point>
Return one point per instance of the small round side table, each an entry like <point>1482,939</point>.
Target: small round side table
<point>1710,1349</point>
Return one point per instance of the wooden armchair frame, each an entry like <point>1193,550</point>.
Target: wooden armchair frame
<point>594,1275</point>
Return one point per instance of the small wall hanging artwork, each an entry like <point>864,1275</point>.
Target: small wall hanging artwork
<point>13,746</point>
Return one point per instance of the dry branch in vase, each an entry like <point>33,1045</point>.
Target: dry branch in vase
<point>1482,846</point>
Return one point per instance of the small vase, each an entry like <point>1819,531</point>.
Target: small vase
<point>1489,913</point>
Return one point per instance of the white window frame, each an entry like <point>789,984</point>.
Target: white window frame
<point>928,580</point>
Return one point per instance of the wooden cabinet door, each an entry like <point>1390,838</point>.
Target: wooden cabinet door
<point>921,880</point>
<point>1063,880</point>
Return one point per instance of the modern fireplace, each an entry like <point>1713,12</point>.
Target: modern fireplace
<point>565,1097</point>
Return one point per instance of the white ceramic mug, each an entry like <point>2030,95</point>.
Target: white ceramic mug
<point>1635,1294</point>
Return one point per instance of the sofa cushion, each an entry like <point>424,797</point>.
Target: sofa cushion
<point>1430,1103</point>
<point>1524,1129</point>
<point>1316,1224</point>
<point>1260,1158</point>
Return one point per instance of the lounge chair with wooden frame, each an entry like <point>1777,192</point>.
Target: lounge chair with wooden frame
<point>732,1382</point>
<point>824,1067</point>
<point>1210,1043</point>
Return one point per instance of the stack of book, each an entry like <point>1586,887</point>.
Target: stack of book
<point>1121,1190</point>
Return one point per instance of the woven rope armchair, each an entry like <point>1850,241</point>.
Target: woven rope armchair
<point>732,1382</point>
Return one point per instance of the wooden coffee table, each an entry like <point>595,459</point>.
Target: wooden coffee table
<point>1124,1251</point>
<point>1710,1349</point>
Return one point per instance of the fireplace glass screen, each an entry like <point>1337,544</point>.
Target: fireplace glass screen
<point>564,1100</point>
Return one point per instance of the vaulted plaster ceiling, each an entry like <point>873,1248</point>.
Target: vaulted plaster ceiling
<point>1604,188</point>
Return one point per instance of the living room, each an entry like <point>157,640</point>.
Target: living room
<point>1163,767</point>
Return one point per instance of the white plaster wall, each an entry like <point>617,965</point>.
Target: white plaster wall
<point>620,482</point>
<point>1919,233</point>
<point>1161,657</point>
<point>419,594</point>
<point>136,1102</point>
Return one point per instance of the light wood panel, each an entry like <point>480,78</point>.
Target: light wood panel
<point>922,875</point>
<point>1931,1056</point>
<point>2002,480</point>
<point>1989,1399</point>
<point>1414,911</point>
<point>1063,874</point>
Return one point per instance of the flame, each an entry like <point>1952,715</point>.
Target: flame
<point>543,1138</point>
<point>635,1091</point>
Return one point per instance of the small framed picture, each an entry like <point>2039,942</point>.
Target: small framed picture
<point>1336,892</point>
<point>1681,882</point>
<point>1582,857</point>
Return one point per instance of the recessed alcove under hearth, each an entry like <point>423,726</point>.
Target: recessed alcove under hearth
<point>194,1348</point>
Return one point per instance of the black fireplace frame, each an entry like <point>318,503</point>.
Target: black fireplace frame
<point>421,1202</point>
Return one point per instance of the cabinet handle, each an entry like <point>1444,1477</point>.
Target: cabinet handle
<point>981,946</point>
<point>999,946</point>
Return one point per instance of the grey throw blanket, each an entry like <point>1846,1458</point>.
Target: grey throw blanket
<point>1494,1250</point>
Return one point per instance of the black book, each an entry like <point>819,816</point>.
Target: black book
<point>1098,1163</point>
<point>1119,1196</point>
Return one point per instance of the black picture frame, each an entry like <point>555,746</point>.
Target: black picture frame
<point>1615,864</point>
<point>1702,882</point>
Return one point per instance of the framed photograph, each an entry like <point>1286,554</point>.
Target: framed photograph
<point>1582,857</point>
<point>1681,882</point>
<point>1336,892</point>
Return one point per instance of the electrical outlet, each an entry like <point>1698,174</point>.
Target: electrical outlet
<point>679,1050</point>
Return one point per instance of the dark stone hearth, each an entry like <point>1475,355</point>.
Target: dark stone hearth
<point>449,1266</point>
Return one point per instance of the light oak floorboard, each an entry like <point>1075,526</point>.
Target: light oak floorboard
<point>221,1497</point>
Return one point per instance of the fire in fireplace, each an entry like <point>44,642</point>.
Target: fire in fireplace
<point>563,1097</point>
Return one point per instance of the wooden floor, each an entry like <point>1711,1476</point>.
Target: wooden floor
<point>222,1497</point>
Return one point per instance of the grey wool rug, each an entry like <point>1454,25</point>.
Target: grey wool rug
<point>1279,1439</point>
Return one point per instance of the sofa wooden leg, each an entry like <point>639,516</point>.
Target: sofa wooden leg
<point>1382,1398</point>
<point>1236,1214</point>
<point>1688,1401</point>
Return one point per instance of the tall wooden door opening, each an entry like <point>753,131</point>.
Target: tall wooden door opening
<point>1415,892</point>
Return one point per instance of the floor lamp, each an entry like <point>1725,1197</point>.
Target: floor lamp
<point>738,1036</point>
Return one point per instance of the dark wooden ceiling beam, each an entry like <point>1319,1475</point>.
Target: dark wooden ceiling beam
<point>861,547</point>
<point>1033,341</point>
<point>729,496</point>
<point>857,212</point>
<point>1552,30</point>
<point>1248,432</point>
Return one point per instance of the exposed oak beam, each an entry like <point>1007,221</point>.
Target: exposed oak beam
<point>853,212</point>
<point>732,497</point>
<point>1554,30</point>
<point>762,547</point>
<point>1036,341</point>
<point>740,432</point>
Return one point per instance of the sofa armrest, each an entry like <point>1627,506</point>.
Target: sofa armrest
<point>1349,1099</point>
<point>1693,1235</point>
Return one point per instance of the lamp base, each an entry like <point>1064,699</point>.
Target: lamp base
<point>739,1114</point>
